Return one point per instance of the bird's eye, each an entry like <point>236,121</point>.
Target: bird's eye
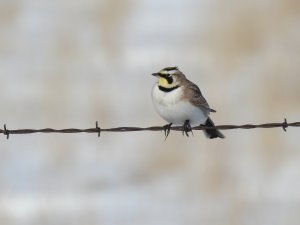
<point>169,79</point>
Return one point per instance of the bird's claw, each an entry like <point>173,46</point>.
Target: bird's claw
<point>186,128</point>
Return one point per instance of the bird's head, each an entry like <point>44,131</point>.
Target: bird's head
<point>169,77</point>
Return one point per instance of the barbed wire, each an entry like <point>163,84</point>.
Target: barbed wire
<point>98,130</point>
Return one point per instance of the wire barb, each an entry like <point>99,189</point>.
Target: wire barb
<point>167,129</point>
<point>285,125</point>
<point>98,129</point>
<point>6,132</point>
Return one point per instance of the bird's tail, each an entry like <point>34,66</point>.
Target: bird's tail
<point>212,133</point>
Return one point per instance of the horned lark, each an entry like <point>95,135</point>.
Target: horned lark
<point>180,102</point>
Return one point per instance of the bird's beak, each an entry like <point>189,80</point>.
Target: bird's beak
<point>155,74</point>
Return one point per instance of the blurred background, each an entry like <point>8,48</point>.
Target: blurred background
<point>70,63</point>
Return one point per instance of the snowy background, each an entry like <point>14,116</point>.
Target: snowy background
<point>70,63</point>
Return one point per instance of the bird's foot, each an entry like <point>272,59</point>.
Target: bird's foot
<point>186,128</point>
<point>167,129</point>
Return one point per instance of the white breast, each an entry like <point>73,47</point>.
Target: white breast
<point>173,109</point>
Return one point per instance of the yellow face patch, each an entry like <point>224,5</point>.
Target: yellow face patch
<point>163,82</point>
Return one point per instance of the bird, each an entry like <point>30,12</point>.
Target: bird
<point>180,102</point>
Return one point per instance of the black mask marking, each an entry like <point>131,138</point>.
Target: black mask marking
<point>169,78</point>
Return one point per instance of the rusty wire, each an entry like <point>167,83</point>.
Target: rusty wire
<point>7,132</point>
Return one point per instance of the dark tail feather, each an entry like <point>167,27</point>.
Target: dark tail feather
<point>214,133</point>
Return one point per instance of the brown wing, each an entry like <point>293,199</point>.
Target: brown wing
<point>193,93</point>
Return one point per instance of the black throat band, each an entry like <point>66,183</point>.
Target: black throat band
<point>167,89</point>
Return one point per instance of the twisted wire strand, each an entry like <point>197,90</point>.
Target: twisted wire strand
<point>7,132</point>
